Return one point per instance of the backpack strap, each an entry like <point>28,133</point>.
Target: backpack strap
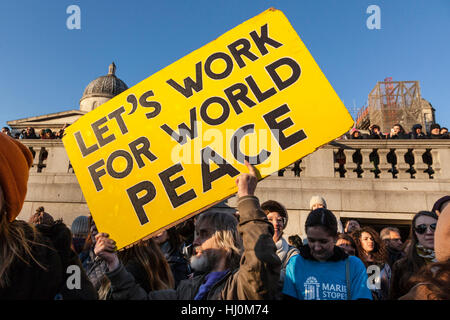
<point>347,278</point>
<point>292,252</point>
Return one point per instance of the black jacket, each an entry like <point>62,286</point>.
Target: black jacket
<point>177,262</point>
<point>29,281</point>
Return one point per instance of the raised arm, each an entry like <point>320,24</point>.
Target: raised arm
<point>259,270</point>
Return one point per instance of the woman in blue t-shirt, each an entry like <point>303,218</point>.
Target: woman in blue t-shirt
<point>323,271</point>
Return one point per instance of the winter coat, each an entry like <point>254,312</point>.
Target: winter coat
<point>385,279</point>
<point>420,291</point>
<point>177,262</point>
<point>436,136</point>
<point>393,256</point>
<point>414,135</point>
<point>256,278</point>
<point>400,135</point>
<point>402,271</point>
<point>373,135</point>
<point>94,266</point>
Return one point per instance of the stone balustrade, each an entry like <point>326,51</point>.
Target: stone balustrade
<point>365,159</point>
<point>376,159</point>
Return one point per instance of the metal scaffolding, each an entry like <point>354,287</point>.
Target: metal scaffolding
<point>392,102</point>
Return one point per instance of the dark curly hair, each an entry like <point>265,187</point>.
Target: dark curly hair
<point>379,253</point>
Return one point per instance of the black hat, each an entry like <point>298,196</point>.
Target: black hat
<point>434,126</point>
<point>438,204</point>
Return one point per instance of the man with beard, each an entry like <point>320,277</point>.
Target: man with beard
<point>237,260</point>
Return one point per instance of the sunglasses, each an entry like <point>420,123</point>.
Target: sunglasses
<point>422,228</point>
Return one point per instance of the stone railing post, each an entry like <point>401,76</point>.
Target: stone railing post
<point>367,166</point>
<point>384,165</point>
<point>419,165</point>
<point>350,166</point>
<point>444,163</point>
<point>402,166</point>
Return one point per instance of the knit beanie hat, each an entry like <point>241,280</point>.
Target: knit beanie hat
<point>317,199</point>
<point>15,163</point>
<point>41,217</point>
<point>80,226</point>
<point>441,236</point>
<point>439,203</point>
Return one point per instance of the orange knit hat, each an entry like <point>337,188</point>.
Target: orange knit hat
<point>15,163</point>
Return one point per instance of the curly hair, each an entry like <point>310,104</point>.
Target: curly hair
<point>379,253</point>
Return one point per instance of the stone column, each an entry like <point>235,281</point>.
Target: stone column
<point>402,166</point>
<point>366,165</point>
<point>350,166</point>
<point>384,166</point>
<point>444,163</point>
<point>436,163</point>
<point>419,165</point>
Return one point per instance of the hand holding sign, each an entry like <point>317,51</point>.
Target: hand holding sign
<point>246,182</point>
<point>174,144</point>
<point>105,248</point>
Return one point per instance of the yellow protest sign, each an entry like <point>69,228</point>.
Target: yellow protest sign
<point>175,143</point>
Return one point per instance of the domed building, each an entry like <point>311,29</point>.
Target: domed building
<point>95,94</point>
<point>101,90</point>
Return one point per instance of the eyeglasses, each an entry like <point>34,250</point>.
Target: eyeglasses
<point>422,228</point>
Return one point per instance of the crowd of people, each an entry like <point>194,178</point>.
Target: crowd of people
<point>398,132</point>
<point>374,132</point>
<point>217,255</point>
<point>30,133</point>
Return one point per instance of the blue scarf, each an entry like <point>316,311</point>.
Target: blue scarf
<point>211,279</point>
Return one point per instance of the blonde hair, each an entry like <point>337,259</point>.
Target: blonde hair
<point>148,254</point>
<point>226,234</point>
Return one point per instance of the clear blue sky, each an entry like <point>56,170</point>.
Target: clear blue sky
<point>44,67</point>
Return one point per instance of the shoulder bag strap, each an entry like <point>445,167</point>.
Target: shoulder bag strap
<point>347,278</point>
